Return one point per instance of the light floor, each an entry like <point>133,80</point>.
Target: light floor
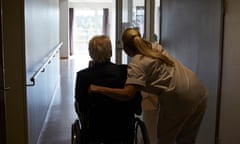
<point>57,128</point>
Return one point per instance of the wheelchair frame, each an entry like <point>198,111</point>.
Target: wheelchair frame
<point>140,131</point>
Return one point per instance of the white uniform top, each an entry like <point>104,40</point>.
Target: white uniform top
<point>178,88</point>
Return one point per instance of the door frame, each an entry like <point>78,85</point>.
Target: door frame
<point>148,26</point>
<point>119,47</point>
<point>2,88</point>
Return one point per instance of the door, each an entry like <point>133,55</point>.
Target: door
<point>2,88</point>
<point>191,31</point>
<point>129,13</point>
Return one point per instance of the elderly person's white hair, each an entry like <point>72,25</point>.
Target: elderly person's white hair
<point>100,49</point>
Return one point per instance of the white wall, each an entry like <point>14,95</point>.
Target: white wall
<point>41,38</point>
<point>229,129</point>
<point>30,32</point>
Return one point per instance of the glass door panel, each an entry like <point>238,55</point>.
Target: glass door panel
<point>131,14</point>
<point>157,21</point>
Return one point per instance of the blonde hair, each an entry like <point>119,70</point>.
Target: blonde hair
<point>132,39</point>
<point>100,48</point>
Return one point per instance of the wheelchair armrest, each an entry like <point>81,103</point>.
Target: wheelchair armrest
<point>82,116</point>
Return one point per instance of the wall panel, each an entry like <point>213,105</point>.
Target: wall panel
<point>229,130</point>
<point>191,31</point>
<point>42,36</point>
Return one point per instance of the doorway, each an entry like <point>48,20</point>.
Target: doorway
<point>107,17</point>
<point>88,19</point>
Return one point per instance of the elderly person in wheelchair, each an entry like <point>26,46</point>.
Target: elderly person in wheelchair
<point>102,120</point>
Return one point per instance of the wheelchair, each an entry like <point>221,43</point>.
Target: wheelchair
<point>82,133</point>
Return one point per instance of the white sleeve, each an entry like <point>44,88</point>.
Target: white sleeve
<point>136,72</point>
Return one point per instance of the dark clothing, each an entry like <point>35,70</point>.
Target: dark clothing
<point>105,119</point>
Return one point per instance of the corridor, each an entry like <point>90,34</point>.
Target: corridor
<point>61,114</point>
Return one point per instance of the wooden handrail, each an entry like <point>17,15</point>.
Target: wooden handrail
<point>45,63</point>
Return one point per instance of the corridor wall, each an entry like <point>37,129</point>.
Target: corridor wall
<point>229,117</point>
<point>191,31</point>
<point>42,36</point>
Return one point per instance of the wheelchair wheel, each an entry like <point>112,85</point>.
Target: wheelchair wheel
<point>75,132</point>
<point>141,135</point>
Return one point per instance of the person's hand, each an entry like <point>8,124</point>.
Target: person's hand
<point>92,88</point>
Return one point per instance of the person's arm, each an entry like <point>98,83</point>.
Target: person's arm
<point>123,94</point>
